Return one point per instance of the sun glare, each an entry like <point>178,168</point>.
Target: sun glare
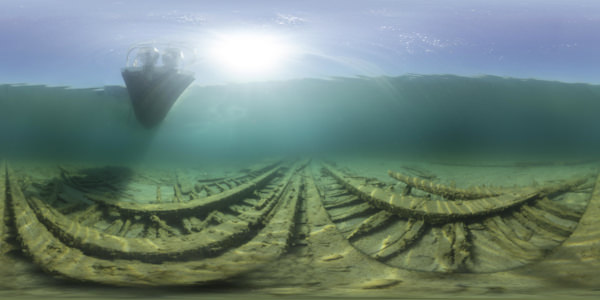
<point>250,53</point>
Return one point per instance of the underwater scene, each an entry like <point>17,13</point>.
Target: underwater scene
<point>310,150</point>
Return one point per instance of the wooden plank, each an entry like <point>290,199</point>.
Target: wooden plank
<point>371,223</point>
<point>558,210</point>
<point>345,213</point>
<point>188,207</point>
<point>55,257</point>
<point>163,242</point>
<point>447,192</point>
<point>400,241</point>
<point>441,211</point>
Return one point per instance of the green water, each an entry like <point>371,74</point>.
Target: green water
<point>424,115</point>
<point>365,124</point>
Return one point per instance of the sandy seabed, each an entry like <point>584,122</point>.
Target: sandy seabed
<point>325,265</point>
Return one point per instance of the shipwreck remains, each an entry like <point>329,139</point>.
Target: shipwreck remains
<point>119,226</point>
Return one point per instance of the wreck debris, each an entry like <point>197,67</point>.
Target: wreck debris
<point>81,224</point>
<point>447,192</point>
<point>461,232</point>
<point>443,211</point>
<point>60,245</point>
<point>172,245</point>
<point>191,206</point>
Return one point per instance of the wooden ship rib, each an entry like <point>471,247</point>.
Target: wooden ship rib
<point>486,231</point>
<point>94,224</point>
<point>255,231</point>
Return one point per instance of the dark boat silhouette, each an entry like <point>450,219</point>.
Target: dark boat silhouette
<point>153,89</point>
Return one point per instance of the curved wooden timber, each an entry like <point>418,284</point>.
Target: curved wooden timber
<point>192,206</point>
<point>451,193</point>
<point>510,231</point>
<point>232,232</point>
<point>447,192</point>
<point>440,211</point>
<point>54,256</point>
<point>577,258</point>
<point>114,182</point>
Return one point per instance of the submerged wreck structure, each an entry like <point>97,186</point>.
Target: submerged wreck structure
<point>300,223</point>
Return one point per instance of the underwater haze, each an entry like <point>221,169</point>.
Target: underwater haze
<point>287,78</point>
<point>424,116</point>
<point>409,147</point>
<point>304,78</point>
